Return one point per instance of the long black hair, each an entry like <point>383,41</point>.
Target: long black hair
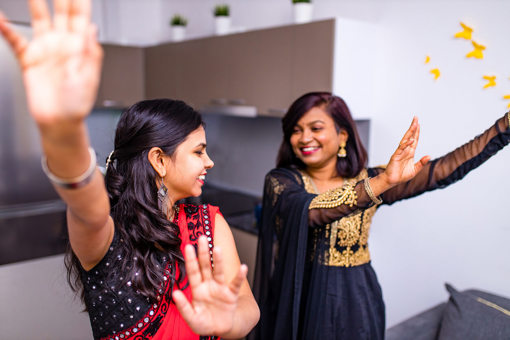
<point>145,232</point>
<point>336,107</point>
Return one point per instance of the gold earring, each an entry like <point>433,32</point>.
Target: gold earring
<point>342,153</point>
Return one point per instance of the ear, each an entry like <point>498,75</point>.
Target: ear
<point>343,136</point>
<point>158,161</point>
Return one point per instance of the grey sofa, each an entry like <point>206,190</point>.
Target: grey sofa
<point>471,314</point>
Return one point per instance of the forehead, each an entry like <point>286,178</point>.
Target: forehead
<point>315,114</point>
<point>195,138</point>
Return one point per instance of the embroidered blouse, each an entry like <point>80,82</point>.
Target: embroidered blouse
<point>120,312</point>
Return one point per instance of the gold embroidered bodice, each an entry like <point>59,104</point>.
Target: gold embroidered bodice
<point>347,236</point>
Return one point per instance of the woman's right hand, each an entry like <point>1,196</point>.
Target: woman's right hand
<point>61,65</point>
<point>401,167</point>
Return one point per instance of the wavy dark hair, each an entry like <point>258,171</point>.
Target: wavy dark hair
<point>131,184</point>
<point>336,107</point>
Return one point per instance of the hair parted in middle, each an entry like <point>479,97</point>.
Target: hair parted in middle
<point>131,182</point>
<point>336,107</point>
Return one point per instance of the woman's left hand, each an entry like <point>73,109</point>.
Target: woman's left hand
<point>401,167</point>
<point>214,301</point>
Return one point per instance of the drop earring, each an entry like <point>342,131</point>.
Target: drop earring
<point>342,153</point>
<point>163,199</point>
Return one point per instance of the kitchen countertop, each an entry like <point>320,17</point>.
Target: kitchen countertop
<point>237,208</point>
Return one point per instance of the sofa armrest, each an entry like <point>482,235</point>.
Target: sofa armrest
<point>423,326</point>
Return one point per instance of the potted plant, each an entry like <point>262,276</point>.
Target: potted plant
<point>222,19</point>
<point>178,23</point>
<point>302,11</point>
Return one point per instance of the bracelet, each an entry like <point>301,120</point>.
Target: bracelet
<point>370,193</point>
<point>72,183</point>
<point>508,116</point>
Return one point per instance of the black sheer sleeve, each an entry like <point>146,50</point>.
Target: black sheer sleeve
<point>283,187</point>
<point>340,202</point>
<point>446,170</point>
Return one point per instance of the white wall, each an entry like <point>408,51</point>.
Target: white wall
<point>458,234</point>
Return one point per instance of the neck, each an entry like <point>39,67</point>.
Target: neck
<point>323,173</point>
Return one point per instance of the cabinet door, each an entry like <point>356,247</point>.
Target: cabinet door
<point>312,58</point>
<point>122,77</point>
<point>260,64</point>
<point>266,68</point>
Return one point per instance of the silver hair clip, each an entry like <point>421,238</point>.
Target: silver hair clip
<point>109,159</point>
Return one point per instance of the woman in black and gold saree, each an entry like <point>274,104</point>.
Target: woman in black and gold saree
<point>313,277</point>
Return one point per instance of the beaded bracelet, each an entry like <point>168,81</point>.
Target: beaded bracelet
<point>72,183</point>
<point>370,193</point>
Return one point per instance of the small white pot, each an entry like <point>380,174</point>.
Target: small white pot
<point>302,12</point>
<point>178,33</point>
<point>222,25</point>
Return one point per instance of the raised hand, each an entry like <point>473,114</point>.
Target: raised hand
<point>402,167</point>
<point>214,301</point>
<point>61,65</point>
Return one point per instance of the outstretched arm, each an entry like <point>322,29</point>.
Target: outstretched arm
<point>222,302</point>
<point>401,168</point>
<point>61,71</point>
<point>455,165</point>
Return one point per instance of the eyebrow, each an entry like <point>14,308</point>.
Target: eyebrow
<point>315,121</point>
<point>203,145</point>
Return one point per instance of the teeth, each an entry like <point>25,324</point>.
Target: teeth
<point>201,177</point>
<point>310,148</point>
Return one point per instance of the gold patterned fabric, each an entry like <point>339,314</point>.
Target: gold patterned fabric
<point>347,237</point>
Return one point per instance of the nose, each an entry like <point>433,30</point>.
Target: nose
<point>306,136</point>
<point>208,162</point>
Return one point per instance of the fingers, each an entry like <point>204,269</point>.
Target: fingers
<point>416,135</point>
<point>61,19</point>
<point>203,258</point>
<point>410,132</point>
<point>421,163</point>
<point>219,273</point>
<point>17,42</point>
<point>92,47</point>
<point>237,281</point>
<point>40,16</point>
<point>192,268</point>
<point>183,305</point>
<point>80,13</point>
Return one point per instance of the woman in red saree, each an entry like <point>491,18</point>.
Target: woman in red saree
<point>133,248</point>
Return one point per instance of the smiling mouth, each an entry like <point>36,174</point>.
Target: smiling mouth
<point>309,150</point>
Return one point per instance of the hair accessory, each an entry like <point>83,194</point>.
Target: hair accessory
<point>163,199</point>
<point>109,159</point>
<point>370,193</point>
<point>342,153</point>
<point>72,183</point>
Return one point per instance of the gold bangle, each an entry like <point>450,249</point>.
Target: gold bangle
<point>370,193</point>
<point>508,116</point>
<point>72,183</point>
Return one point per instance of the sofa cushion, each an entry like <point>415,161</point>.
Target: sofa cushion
<point>475,315</point>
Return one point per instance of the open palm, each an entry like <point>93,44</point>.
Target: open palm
<point>61,64</point>
<point>214,301</point>
<point>402,167</point>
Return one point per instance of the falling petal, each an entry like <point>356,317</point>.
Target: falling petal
<point>477,52</point>
<point>427,59</point>
<point>436,73</point>
<point>491,81</point>
<point>465,33</point>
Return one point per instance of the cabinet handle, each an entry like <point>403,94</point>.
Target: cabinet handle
<point>111,103</point>
<point>218,101</point>
<point>276,112</point>
<point>237,101</point>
